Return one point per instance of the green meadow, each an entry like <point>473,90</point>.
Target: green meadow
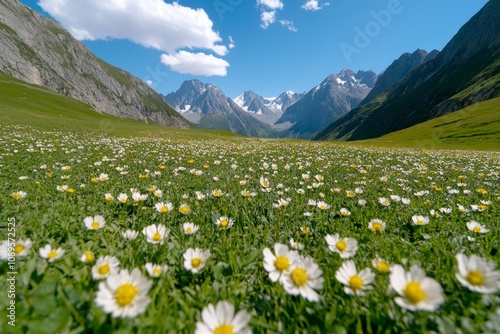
<point>87,199</point>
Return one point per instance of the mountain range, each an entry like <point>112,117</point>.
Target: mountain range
<point>38,50</point>
<point>465,72</point>
<point>267,110</point>
<point>290,114</point>
<point>206,106</point>
<point>326,102</point>
<point>349,105</point>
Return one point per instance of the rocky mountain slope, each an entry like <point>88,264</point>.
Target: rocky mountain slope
<point>38,50</point>
<point>334,97</point>
<point>206,106</point>
<point>398,70</point>
<point>465,72</point>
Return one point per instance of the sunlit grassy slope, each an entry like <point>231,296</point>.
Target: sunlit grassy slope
<point>25,104</point>
<point>476,127</point>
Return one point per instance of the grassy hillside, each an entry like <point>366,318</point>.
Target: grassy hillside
<point>26,104</point>
<point>476,127</point>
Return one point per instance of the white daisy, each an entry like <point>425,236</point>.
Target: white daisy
<point>155,234</point>
<point>122,198</point>
<point>478,274</point>
<point>344,212</point>
<point>195,259</point>
<point>354,283</point>
<point>124,294</point>
<point>420,220</point>
<point>164,207</point>
<point>155,270</point>
<point>105,266</point>
<point>220,319</point>
<point>18,249</point>
<point>190,228</point>
<point>94,223</point>
<point>323,205</point>
<point>416,291</point>
<point>381,265</point>
<point>130,234</point>
<point>384,201</point>
<point>279,262</point>
<point>296,245</point>
<point>346,247</point>
<point>18,195</point>
<point>184,209</point>
<point>224,222</point>
<point>87,257</point>
<point>376,225</point>
<point>303,278</point>
<point>52,254</point>
<point>476,227</point>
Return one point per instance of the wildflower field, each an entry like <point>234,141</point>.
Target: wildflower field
<point>183,234</point>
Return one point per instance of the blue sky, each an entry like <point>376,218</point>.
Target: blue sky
<point>268,46</point>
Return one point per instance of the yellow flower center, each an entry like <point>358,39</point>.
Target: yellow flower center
<point>341,245</point>
<point>16,196</point>
<point>70,190</point>
<point>281,263</point>
<point>157,272</point>
<point>18,249</point>
<point>476,229</point>
<point>89,256</point>
<point>217,193</point>
<point>123,200</point>
<point>109,198</point>
<point>95,225</point>
<point>196,262</point>
<point>224,223</point>
<point>419,222</point>
<point>356,282</point>
<point>474,277</point>
<point>156,236</point>
<point>184,209</point>
<point>383,266</point>
<point>299,276</point>
<point>125,294</point>
<point>164,209</point>
<point>377,227</point>
<point>414,293</point>
<point>224,329</point>
<point>52,255</point>
<point>189,229</point>
<point>104,269</point>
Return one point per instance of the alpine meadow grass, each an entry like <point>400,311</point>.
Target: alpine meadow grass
<point>184,233</point>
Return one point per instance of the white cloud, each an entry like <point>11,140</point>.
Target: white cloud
<point>149,82</point>
<point>289,25</point>
<point>271,4</point>
<point>195,63</point>
<point>231,43</point>
<point>150,23</point>
<point>267,18</point>
<point>313,5</point>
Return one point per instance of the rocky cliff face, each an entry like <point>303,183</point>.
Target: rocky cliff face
<point>398,70</point>
<point>38,50</point>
